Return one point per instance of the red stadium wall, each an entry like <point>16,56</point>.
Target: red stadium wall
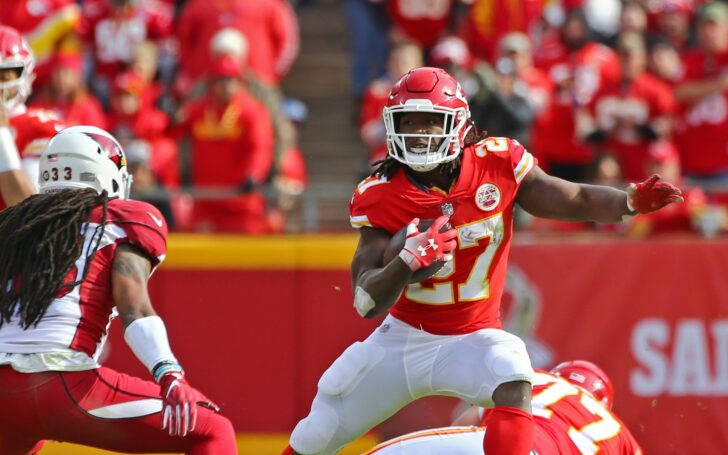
<point>257,320</point>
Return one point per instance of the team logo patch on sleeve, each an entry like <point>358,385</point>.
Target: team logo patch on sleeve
<point>487,197</point>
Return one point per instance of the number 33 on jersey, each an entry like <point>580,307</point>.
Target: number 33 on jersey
<point>463,296</point>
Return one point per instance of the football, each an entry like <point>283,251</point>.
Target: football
<point>397,243</point>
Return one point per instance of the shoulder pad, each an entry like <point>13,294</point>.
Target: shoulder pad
<point>366,195</point>
<point>144,226</point>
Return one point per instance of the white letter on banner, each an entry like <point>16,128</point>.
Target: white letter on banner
<point>647,337</point>
<point>720,340</point>
<point>690,373</point>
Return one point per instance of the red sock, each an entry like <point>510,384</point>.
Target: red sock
<point>509,431</point>
<point>288,451</point>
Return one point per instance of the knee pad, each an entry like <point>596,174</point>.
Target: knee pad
<point>509,361</point>
<point>350,368</point>
<point>314,433</point>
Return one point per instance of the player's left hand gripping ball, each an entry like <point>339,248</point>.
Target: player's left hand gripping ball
<point>651,195</point>
<point>179,413</point>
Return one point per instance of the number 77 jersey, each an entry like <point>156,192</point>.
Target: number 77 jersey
<point>569,421</point>
<point>464,296</point>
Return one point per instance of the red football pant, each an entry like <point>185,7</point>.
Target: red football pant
<point>56,405</point>
<point>509,431</point>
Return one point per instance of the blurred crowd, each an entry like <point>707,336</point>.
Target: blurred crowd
<point>600,91</point>
<point>191,90</point>
<point>603,91</point>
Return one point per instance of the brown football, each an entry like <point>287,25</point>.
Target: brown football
<point>397,243</point>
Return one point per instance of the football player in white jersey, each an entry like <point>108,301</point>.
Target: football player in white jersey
<point>71,259</point>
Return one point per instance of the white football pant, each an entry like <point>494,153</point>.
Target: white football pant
<point>398,364</point>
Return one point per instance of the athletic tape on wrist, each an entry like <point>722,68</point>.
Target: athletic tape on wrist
<point>9,157</point>
<point>631,209</point>
<point>147,338</point>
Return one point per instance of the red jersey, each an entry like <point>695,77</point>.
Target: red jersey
<point>465,295</point>
<point>32,128</point>
<point>78,319</point>
<point>621,108</point>
<point>572,420</point>
<point>116,33</point>
<point>424,22</point>
<point>702,127</point>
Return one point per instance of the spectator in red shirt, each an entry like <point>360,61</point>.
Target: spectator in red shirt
<point>133,119</point>
<point>67,96</point>
<point>270,26</point>
<point>634,115</point>
<point>232,153</point>
<point>702,132</point>
<point>116,28</point>
<point>579,67</point>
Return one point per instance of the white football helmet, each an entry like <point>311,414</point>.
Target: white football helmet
<point>84,157</point>
<point>15,54</point>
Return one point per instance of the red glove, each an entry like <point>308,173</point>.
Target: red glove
<point>651,195</point>
<point>179,414</point>
<point>421,249</point>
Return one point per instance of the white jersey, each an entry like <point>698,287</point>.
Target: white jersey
<point>71,334</point>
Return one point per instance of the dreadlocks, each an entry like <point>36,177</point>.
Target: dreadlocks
<point>40,240</point>
<point>388,166</point>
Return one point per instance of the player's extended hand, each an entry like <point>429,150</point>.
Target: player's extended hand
<point>421,249</point>
<point>179,413</point>
<point>651,195</point>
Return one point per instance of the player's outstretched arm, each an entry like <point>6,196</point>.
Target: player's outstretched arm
<point>146,335</point>
<point>14,184</point>
<point>550,197</point>
<point>376,286</point>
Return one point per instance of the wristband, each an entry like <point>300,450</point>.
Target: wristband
<point>409,258</point>
<point>9,157</point>
<point>147,338</point>
<point>165,366</point>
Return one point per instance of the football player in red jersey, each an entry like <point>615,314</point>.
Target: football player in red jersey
<point>71,259</point>
<point>23,132</point>
<point>572,408</point>
<point>443,335</point>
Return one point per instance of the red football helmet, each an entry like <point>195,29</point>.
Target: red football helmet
<point>589,377</point>
<point>430,90</point>
<point>15,53</point>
